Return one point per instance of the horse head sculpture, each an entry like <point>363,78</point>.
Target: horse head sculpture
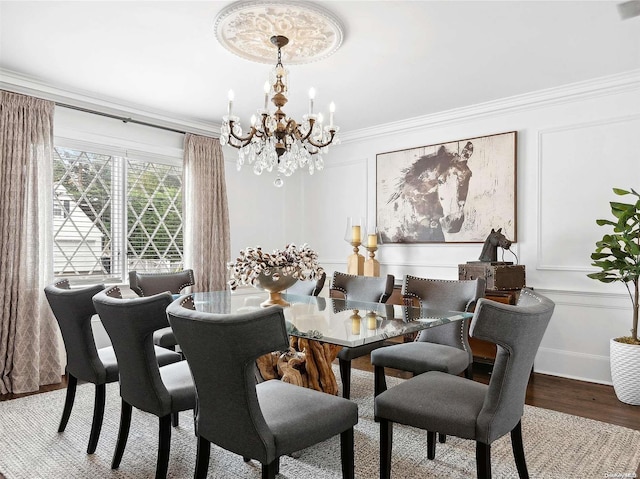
<point>490,248</point>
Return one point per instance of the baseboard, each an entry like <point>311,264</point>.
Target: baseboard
<point>571,365</point>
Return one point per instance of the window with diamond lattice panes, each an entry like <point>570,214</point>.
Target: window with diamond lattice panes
<point>113,214</point>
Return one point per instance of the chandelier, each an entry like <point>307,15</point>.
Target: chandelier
<point>274,140</point>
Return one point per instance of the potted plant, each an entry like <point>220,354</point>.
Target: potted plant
<point>617,255</point>
<point>274,272</point>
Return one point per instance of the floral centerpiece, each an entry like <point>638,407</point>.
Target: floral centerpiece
<point>275,271</point>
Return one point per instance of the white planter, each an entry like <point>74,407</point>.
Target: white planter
<point>625,371</point>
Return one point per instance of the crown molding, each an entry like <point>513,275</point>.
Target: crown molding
<point>607,85</point>
<point>27,85</point>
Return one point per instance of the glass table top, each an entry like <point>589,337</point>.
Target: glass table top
<point>335,321</point>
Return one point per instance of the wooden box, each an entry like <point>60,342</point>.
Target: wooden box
<point>499,276</point>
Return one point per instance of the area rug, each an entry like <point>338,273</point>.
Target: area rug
<point>557,446</point>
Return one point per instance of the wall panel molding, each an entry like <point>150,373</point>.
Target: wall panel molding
<point>572,365</point>
<point>541,225</point>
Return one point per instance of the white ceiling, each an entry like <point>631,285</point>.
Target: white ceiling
<point>399,59</point>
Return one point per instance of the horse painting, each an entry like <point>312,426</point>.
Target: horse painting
<point>490,248</point>
<point>435,187</point>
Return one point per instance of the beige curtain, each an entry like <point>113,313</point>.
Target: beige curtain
<point>29,354</point>
<point>206,213</point>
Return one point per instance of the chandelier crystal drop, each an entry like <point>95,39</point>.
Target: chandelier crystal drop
<point>274,140</point>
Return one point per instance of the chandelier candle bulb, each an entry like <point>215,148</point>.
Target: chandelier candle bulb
<point>253,120</point>
<point>267,87</point>
<point>231,96</point>
<point>312,95</point>
<point>332,109</point>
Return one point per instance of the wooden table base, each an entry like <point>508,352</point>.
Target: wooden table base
<point>307,363</point>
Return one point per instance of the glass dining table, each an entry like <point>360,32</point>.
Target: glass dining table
<point>319,327</point>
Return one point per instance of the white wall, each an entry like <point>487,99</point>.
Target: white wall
<point>574,145</point>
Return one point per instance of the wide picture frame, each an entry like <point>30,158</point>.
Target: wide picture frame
<point>454,192</point>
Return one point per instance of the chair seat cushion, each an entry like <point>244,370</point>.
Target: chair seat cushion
<point>347,354</point>
<point>164,337</point>
<point>419,357</point>
<point>108,357</point>
<point>166,356</point>
<point>300,417</point>
<point>434,401</point>
<point>179,382</point>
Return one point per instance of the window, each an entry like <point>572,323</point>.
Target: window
<point>113,213</point>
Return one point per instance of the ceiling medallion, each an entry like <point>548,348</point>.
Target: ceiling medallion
<point>244,28</point>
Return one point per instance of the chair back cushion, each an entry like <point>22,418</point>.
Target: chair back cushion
<point>221,350</point>
<point>149,284</point>
<point>130,324</point>
<point>445,295</point>
<point>73,309</point>
<point>362,288</point>
<point>308,288</point>
<point>517,331</point>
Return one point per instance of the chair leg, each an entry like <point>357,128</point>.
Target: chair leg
<point>431,445</point>
<point>123,434</point>
<point>72,382</point>
<point>164,447</point>
<point>380,382</point>
<point>386,445</point>
<point>483,460</point>
<point>269,471</point>
<point>175,419</point>
<point>346,454</point>
<point>202,458</point>
<point>468,373</point>
<point>518,451</point>
<point>98,413</point>
<point>442,438</point>
<point>345,374</point>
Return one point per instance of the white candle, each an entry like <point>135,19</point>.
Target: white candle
<point>332,109</point>
<point>312,95</point>
<point>231,96</point>
<point>266,94</point>
<point>372,241</point>
<point>355,234</point>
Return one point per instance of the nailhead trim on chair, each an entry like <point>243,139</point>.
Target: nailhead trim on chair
<point>431,280</point>
<point>61,282</point>
<point>190,282</point>
<point>114,289</point>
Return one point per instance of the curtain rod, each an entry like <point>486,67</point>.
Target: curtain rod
<point>121,118</point>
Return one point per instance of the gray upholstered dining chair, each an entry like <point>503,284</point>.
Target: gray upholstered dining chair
<point>73,309</point>
<point>444,348</point>
<point>162,391</point>
<point>257,421</point>
<point>358,288</point>
<point>148,284</point>
<point>458,406</point>
<point>308,288</point>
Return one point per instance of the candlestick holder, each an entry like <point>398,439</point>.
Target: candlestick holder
<point>372,265</point>
<point>355,235</point>
<point>355,261</point>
